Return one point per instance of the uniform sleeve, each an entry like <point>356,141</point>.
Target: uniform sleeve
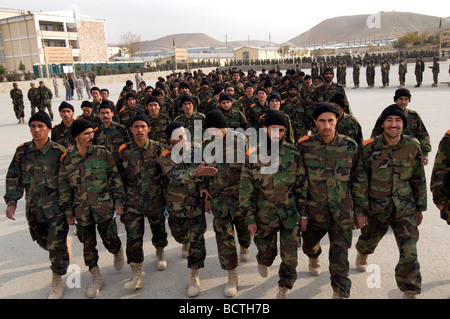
<point>115,181</point>
<point>177,175</point>
<point>14,181</point>
<point>66,196</point>
<point>248,194</point>
<point>439,185</point>
<point>418,183</point>
<point>423,137</point>
<point>301,187</point>
<point>359,185</point>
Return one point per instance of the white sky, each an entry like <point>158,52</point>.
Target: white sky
<point>236,19</point>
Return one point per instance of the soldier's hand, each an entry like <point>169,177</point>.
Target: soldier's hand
<point>11,211</point>
<point>208,207</point>
<point>252,229</point>
<point>205,192</point>
<point>425,160</point>
<point>419,218</point>
<point>71,221</point>
<point>203,170</point>
<point>303,224</point>
<point>119,210</point>
<point>361,221</point>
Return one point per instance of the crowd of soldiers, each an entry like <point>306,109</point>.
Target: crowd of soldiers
<point>120,159</point>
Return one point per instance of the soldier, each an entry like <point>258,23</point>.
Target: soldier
<point>274,102</point>
<point>440,178</point>
<point>157,121</point>
<point>384,73</point>
<point>55,86</point>
<point>141,94</point>
<point>127,112</point>
<point>337,196</point>
<point>139,161</point>
<point>213,102</point>
<point>79,87</point>
<point>233,117</point>
<point>435,71</point>
<point>415,127</point>
<point>273,200</point>
<point>418,71</point>
<point>370,74</point>
<point>346,124</point>
<point>402,70</point>
<point>17,101</point>
<point>237,84</point>
<point>88,114</point>
<point>45,98</point>
<point>314,70</point>
<point>306,91</point>
<point>104,93</point>
<point>91,192</point>
<point>189,116</point>
<point>295,107</point>
<point>35,169</point>
<point>87,84</point>
<point>186,218</point>
<point>61,132</point>
<point>33,97</point>
<point>397,197</point>
<point>249,97</point>
<point>204,94</point>
<point>257,109</point>
<point>223,199</point>
<point>96,99</point>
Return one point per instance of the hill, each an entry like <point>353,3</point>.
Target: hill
<point>355,28</point>
<point>182,40</point>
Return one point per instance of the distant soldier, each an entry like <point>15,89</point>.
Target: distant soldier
<point>223,199</point>
<point>402,70</point>
<point>415,127</point>
<point>314,70</point>
<point>96,99</point>
<point>139,162</point>
<point>237,84</point>
<point>17,101</point>
<point>34,169</point>
<point>204,94</point>
<point>158,121</point>
<point>257,109</point>
<point>233,116</point>
<point>370,74</point>
<point>418,71</point>
<point>79,87</point>
<point>341,73</point>
<point>61,132</point>
<point>440,178</point>
<point>189,116</point>
<point>346,124</point>
<point>87,84</point>
<point>129,111</point>
<point>88,115</point>
<point>385,73</point>
<point>33,97</point>
<point>356,73</point>
<point>435,71</point>
<point>397,197</point>
<point>249,97</point>
<point>273,198</point>
<point>55,85</point>
<point>295,107</point>
<point>337,196</point>
<point>91,191</point>
<point>45,98</point>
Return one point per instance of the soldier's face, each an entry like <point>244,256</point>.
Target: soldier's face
<point>262,96</point>
<point>87,111</point>
<point>326,125</point>
<point>131,102</point>
<point>328,76</point>
<point>95,95</point>
<point>276,132</point>
<point>85,138</point>
<point>226,105</point>
<point>274,104</point>
<point>249,90</point>
<point>392,126</point>
<point>104,95</point>
<point>66,114</point>
<point>153,108</point>
<point>39,130</point>
<point>140,130</point>
<point>105,116</point>
<point>402,101</point>
<point>188,107</point>
<point>292,93</point>
<point>230,90</point>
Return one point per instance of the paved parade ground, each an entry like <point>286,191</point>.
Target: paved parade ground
<point>24,266</point>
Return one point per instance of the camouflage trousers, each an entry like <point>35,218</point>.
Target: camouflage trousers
<point>19,111</point>
<point>340,242</point>
<point>385,78</point>
<point>42,107</point>
<point>435,78</point>
<point>266,242</point>
<point>87,236</point>
<point>190,230</point>
<point>356,79</point>
<point>402,78</point>
<point>407,271</point>
<point>224,228</point>
<point>52,237</point>
<point>419,78</point>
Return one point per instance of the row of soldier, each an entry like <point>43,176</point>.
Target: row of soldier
<point>127,169</point>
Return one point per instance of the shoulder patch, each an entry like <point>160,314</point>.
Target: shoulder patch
<point>250,151</point>
<point>96,129</point>
<point>241,97</point>
<point>165,153</point>
<point>123,108</point>
<point>176,118</point>
<point>302,139</point>
<point>209,100</point>
<point>204,141</point>
<point>262,116</point>
<point>62,156</point>
<point>284,101</point>
<point>77,117</point>
<point>370,140</point>
<point>122,147</point>
<point>253,105</point>
<point>20,146</point>
<point>448,132</point>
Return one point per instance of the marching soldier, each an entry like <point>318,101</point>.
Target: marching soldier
<point>45,98</point>
<point>33,97</point>
<point>17,101</point>
<point>61,132</point>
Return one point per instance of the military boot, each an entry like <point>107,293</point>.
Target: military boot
<point>232,284</point>
<point>185,250</point>
<point>69,242</point>
<point>263,270</point>
<point>119,259</point>
<point>337,295</point>
<point>244,254</point>
<point>194,283</point>
<point>409,295</point>
<point>97,283</point>
<point>361,262</point>
<point>282,292</point>
<point>135,281</point>
<point>57,287</point>
<point>161,262</point>
<point>314,266</point>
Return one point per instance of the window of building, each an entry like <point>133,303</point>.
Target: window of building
<point>2,56</point>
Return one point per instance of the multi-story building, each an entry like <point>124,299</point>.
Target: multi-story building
<point>37,38</point>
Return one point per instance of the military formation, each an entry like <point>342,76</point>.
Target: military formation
<point>184,149</point>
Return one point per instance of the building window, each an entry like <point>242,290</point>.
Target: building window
<point>2,56</point>
<point>62,44</point>
<point>60,27</point>
<point>1,39</point>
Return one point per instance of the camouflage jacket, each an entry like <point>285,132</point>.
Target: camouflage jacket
<point>188,123</point>
<point>126,114</point>
<point>61,134</point>
<point>254,112</point>
<point>158,130</point>
<point>268,197</point>
<point>395,173</point>
<point>337,180</point>
<point>111,137</point>
<point>234,118</point>
<point>90,187</point>
<point>93,119</point>
<point>96,106</point>
<point>300,119</point>
<point>33,97</point>
<point>211,104</point>
<point>246,101</point>
<point>415,127</point>
<point>440,177</point>
<point>35,172</point>
<point>17,97</point>
<point>349,126</point>
<point>45,96</point>
<point>182,193</point>
<point>142,177</point>
<point>323,93</point>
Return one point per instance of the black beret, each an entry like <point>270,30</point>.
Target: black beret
<point>339,99</point>
<point>153,99</point>
<point>215,118</point>
<point>218,89</point>
<point>41,116</point>
<point>186,98</point>
<point>139,117</point>
<point>86,104</point>
<point>324,107</point>
<point>393,109</point>
<point>128,83</point>
<point>275,117</point>
<point>274,95</point>
<point>328,70</point>
<point>65,105</point>
<point>402,92</point>
<point>131,94</point>
<point>172,126</point>
<point>225,97</point>
<point>79,126</point>
<point>105,105</point>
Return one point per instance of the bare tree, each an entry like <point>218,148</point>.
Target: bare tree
<point>130,43</point>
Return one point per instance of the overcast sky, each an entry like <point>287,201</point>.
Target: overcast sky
<point>235,19</point>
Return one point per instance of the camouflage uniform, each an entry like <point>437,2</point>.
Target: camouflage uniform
<point>188,123</point>
<point>418,71</point>
<point>397,190</point>
<point>415,128</point>
<point>45,100</point>
<point>435,71</point>
<point>36,172</point>
<point>157,132</point>
<point>61,134</point>
<point>323,93</point>
<point>93,119</point>
<point>17,101</point>
<point>440,177</point>
<point>126,114</point>
<point>224,190</point>
<point>90,188</point>
<point>204,96</point>
<point>211,104</point>
<point>33,97</point>
<point>337,193</point>
<point>275,202</point>
<point>186,217</point>
<point>234,118</point>
<point>254,112</point>
<point>402,70</point>
<point>144,197</point>
<point>111,137</point>
<point>296,110</point>
<point>349,126</point>
<point>356,73</point>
